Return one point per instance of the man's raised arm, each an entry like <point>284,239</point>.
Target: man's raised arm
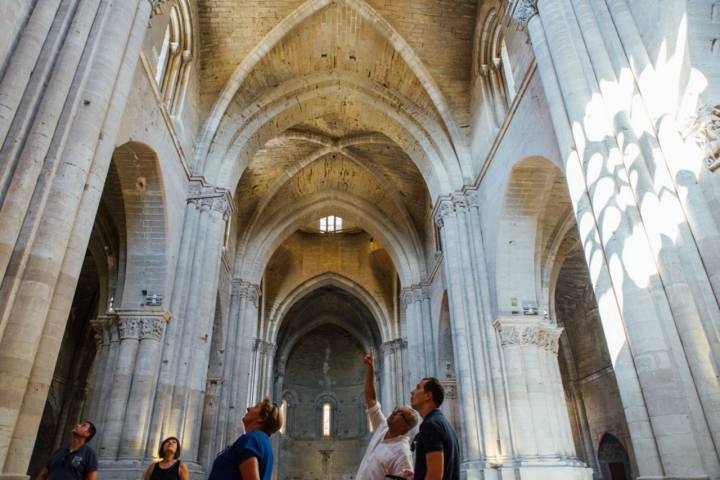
<point>370,395</point>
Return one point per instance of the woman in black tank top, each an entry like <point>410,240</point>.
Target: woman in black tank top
<point>170,467</point>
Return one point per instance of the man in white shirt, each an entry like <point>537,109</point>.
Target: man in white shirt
<point>388,452</point>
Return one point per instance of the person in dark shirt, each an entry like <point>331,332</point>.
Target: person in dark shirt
<point>170,467</point>
<point>76,462</point>
<point>437,455</point>
<point>251,456</point>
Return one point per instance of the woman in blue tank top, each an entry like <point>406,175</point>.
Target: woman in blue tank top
<point>251,456</point>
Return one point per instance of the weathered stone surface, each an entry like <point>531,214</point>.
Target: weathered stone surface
<point>529,205</point>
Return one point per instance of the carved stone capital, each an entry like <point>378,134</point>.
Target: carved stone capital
<point>450,387</point>
<point>209,198</point>
<point>524,11</point>
<point>156,7</point>
<point>459,202</point>
<point>524,332</point>
<point>472,197</point>
<point>444,211</point>
<point>703,129</point>
<point>141,325</point>
<point>394,346</point>
<point>263,347</point>
<point>244,289</point>
<point>414,293</point>
<point>102,328</point>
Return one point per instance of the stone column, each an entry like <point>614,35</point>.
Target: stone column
<point>540,423</point>
<point>652,293</point>
<point>239,356</point>
<point>485,433</point>
<point>261,373</point>
<point>183,375</point>
<point>107,341</point>
<point>393,384</point>
<point>41,254</point>
<point>133,378</point>
<point>415,301</point>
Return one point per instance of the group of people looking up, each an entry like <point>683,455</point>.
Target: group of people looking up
<point>250,457</point>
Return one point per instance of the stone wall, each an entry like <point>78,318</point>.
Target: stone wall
<point>590,386</point>
<point>325,366</point>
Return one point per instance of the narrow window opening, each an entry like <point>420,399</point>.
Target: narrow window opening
<point>326,417</point>
<point>283,412</point>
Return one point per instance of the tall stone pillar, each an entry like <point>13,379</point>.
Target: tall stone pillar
<point>261,370</point>
<point>415,301</point>
<point>242,333</point>
<point>481,393</point>
<point>62,109</point>
<point>540,423</point>
<point>125,411</point>
<point>393,383</point>
<point>646,268</point>
<point>185,358</point>
<point>107,346</point>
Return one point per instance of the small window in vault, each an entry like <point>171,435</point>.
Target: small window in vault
<point>326,413</point>
<point>331,224</point>
<point>283,412</point>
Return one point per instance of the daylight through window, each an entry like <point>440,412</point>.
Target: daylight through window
<point>331,224</point>
<point>326,412</point>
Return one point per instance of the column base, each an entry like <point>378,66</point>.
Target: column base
<point>133,469</point>
<point>687,477</point>
<point>14,476</point>
<point>556,472</point>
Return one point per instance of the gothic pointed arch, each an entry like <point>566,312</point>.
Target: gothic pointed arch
<point>282,30</point>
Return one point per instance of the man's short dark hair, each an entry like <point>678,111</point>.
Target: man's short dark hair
<point>91,430</point>
<point>435,388</point>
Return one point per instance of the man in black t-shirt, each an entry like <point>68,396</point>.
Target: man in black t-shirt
<point>76,462</point>
<point>437,455</point>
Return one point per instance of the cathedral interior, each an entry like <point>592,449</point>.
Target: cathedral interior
<point>207,202</point>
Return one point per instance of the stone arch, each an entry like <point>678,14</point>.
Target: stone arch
<point>613,458</point>
<point>290,396</point>
<point>446,356</point>
<point>320,401</point>
<point>303,12</point>
<point>280,109</point>
<point>176,54</point>
<point>406,255</point>
<point>330,147</point>
<point>143,200</point>
<point>491,64</point>
<point>381,316</point>
<point>536,212</point>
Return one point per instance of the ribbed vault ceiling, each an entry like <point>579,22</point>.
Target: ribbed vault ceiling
<point>364,100</point>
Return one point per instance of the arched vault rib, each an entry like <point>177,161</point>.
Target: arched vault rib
<point>331,146</point>
<point>405,254</point>
<point>289,343</point>
<point>255,125</point>
<point>278,313</point>
<point>459,149</point>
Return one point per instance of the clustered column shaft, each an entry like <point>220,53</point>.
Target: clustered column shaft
<point>415,301</point>
<point>481,394</point>
<point>180,396</point>
<point>654,294</point>
<point>64,124</point>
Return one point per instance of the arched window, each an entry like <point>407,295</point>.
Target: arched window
<point>331,224</point>
<point>326,419</point>
<point>176,53</point>
<point>493,67</point>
